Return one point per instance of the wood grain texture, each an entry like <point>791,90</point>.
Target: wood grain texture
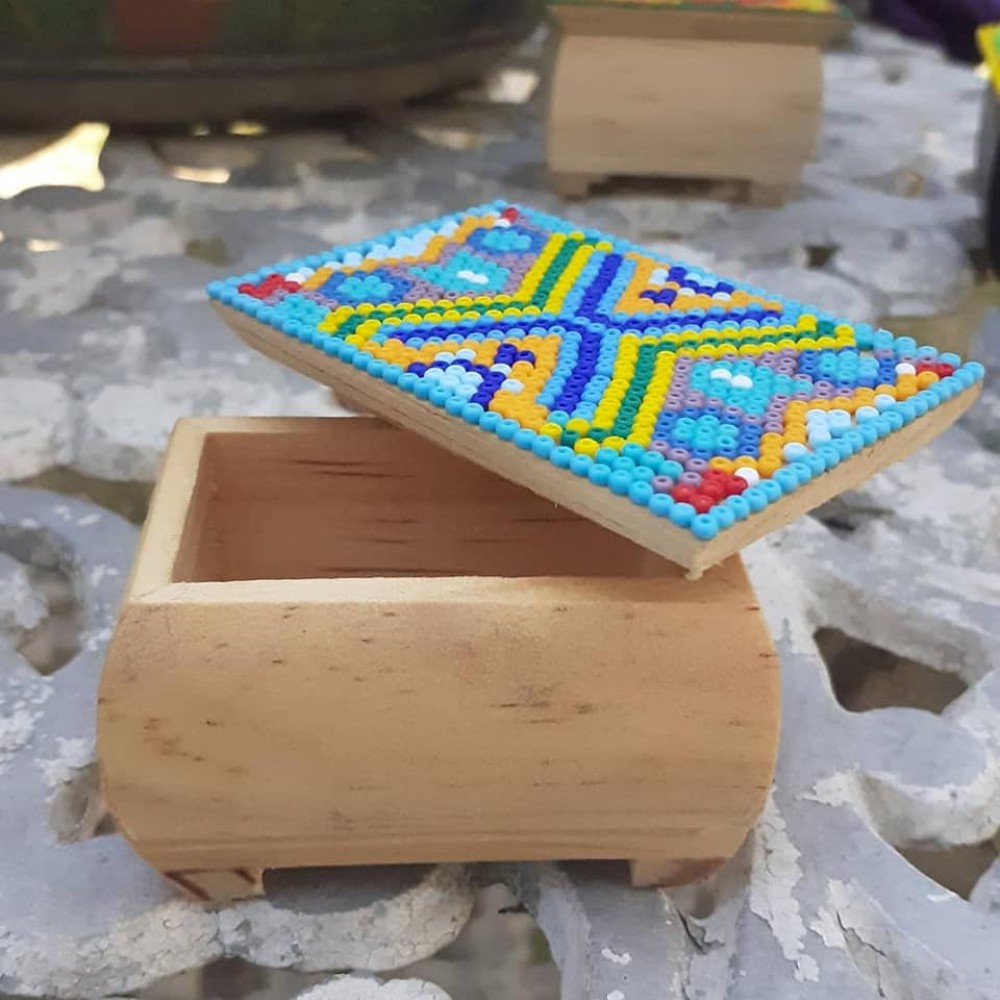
<point>618,514</point>
<point>551,691</point>
<point>753,115</point>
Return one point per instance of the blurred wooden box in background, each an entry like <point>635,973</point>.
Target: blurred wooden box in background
<point>677,91</point>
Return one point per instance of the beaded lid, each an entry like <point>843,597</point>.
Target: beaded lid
<point>689,413</point>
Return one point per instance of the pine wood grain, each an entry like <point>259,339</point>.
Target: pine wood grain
<point>273,699</point>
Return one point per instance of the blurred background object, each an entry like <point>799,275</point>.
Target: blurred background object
<point>137,61</point>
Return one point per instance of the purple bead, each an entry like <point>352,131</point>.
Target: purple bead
<point>824,392</point>
<point>662,484</point>
<point>779,398</point>
<point>698,465</point>
<point>690,479</point>
<point>678,455</point>
<point>803,394</point>
<point>774,427</point>
<point>660,447</point>
<point>733,412</point>
<point>753,420</point>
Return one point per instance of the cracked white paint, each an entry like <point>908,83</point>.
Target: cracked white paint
<point>776,873</point>
<point>74,754</point>
<point>618,958</point>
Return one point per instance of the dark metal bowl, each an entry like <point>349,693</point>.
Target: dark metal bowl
<point>184,60</point>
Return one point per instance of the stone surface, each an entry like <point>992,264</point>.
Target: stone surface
<point>114,308</point>
<point>81,915</point>
<point>355,988</point>
<point>21,609</point>
<point>36,427</point>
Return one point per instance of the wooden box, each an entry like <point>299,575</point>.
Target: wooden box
<point>685,93</point>
<point>341,645</point>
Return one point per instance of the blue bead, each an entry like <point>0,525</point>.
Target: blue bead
<point>561,457</point>
<point>620,481</point>
<point>422,389</point>
<point>542,446</point>
<point>524,438</point>
<point>453,405</point>
<point>489,421</point>
<point>724,515</point>
<point>438,395</point>
<point>830,455</point>
<point>770,489</point>
<point>580,465</point>
<point>599,474</point>
<point>739,506</point>
<point>640,492</point>
<point>894,418</point>
<point>705,527</point>
<point>787,479</point>
<point>682,514</point>
<point>661,504</point>
<point>756,498</point>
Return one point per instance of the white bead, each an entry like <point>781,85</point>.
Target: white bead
<point>742,382</point>
<point>466,354</point>
<point>512,385</point>
<point>839,416</point>
<point>864,413</point>
<point>466,391</point>
<point>817,417</point>
<point>752,476</point>
<point>449,382</point>
<point>433,374</point>
<point>819,435</point>
<point>905,368</point>
<point>456,371</point>
<point>659,275</point>
<point>724,374</point>
<point>472,378</point>
<point>502,223</point>
<point>505,369</point>
<point>883,401</point>
<point>722,297</point>
<point>686,291</point>
<point>444,356</point>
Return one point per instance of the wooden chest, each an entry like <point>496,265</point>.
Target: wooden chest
<point>342,645</point>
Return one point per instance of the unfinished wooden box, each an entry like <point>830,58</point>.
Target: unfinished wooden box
<point>341,645</point>
<point>643,90</point>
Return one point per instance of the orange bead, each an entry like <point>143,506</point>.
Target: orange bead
<point>745,462</point>
<point>721,463</point>
<point>924,379</point>
<point>886,390</point>
<point>768,465</point>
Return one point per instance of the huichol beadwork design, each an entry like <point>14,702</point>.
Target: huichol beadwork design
<point>701,399</point>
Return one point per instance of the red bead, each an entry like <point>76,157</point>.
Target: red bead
<point>703,503</point>
<point>736,485</point>
<point>683,493</point>
<point>714,488</point>
<point>510,214</point>
<point>944,370</point>
<point>714,475</point>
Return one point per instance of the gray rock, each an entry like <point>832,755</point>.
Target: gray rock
<point>827,292</point>
<point>356,988</point>
<point>36,426</point>
<point>21,608</point>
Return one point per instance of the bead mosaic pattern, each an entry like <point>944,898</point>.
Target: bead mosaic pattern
<point>700,399</point>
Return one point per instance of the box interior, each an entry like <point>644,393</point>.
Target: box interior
<point>358,498</point>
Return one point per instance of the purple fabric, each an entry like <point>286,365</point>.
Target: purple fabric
<point>950,23</point>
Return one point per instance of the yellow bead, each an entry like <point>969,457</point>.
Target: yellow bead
<point>586,446</point>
